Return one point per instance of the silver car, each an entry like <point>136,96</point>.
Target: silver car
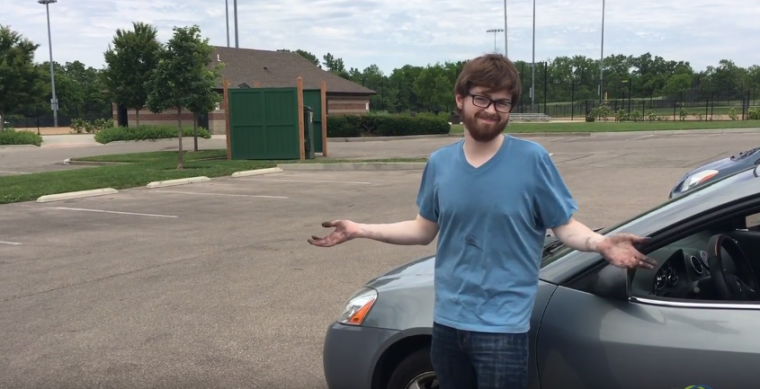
<point>692,322</point>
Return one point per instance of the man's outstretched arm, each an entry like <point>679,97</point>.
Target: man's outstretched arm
<point>419,231</point>
<point>576,235</point>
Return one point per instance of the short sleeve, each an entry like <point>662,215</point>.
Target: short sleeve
<point>427,197</point>
<point>553,201</point>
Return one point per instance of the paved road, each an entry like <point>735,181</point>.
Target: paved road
<point>214,285</point>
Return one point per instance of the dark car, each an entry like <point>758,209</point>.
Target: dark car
<point>692,320</point>
<point>716,170</point>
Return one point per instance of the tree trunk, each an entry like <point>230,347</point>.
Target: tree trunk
<point>181,163</point>
<point>195,130</point>
<point>137,117</point>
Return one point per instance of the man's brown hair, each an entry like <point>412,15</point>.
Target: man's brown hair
<point>494,72</point>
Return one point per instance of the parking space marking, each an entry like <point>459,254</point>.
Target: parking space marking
<point>221,194</point>
<point>112,212</point>
<point>10,243</point>
<point>316,181</point>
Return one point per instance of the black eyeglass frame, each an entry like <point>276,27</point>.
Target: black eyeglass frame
<point>490,101</point>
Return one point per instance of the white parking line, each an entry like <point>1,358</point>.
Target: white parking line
<point>10,243</point>
<point>221,194</point>
<point>113,212</point>
<point>315,181</point>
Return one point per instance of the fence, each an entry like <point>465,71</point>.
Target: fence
<point>708,109</point>
<point>47,120</point>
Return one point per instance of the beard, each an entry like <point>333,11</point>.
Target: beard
<point>483,132</point>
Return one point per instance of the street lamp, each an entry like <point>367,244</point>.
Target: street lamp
<point>601,59</point>
<point>494,31</point>
<point>506,54</point>
<point>237,42</point>
<point>533,75</point>
<point>54,100</point>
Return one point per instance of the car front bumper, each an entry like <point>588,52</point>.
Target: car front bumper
<point>351,353</point>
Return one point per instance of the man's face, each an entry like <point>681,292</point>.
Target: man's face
<point>485,124</point>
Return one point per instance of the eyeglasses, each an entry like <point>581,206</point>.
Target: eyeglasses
<point>485,102</point>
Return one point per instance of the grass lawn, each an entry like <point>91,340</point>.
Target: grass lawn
<point>141,169</point>
<point>619,127</point>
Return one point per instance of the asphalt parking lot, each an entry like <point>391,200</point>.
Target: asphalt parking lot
<point>214,284</point>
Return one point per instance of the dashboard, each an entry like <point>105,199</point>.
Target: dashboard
<point>680,273</point>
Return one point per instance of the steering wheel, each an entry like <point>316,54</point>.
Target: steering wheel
<point>742,284</point>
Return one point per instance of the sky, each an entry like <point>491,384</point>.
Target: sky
<point>392,33</point>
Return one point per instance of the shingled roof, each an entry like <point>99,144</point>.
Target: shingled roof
<point>273,69</point>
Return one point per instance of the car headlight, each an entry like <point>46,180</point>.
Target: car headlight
<point>697,179</point>
<point>358,307</point>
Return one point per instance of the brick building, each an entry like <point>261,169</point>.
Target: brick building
<point>270,69</point>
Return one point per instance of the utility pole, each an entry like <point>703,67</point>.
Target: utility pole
<point>601,60</point>
<point>533,75</point>
<point>506,53</point>
<point>227,13</point>
<point>54,100</point>
<point>237,40</point>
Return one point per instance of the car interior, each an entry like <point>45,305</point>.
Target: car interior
<point>718,263</point>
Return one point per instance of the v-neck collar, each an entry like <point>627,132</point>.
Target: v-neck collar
<point>493,160</point>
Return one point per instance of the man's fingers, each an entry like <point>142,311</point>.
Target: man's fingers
<point>330,224</point>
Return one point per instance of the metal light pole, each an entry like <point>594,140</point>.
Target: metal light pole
<point>494,31</point>
<point>237,41</point>
<point>506,53</point>
<point>227,12</point>
<point>533,75</point>
<point>54,100</point>
<point>601,60</point>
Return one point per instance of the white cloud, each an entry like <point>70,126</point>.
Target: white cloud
<point>391,33</point>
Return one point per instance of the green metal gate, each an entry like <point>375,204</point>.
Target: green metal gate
<point>264,123</point>
<point>313,99</point>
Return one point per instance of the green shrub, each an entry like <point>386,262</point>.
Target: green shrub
<point>753,114</point>
<point>80,126</point>
<point>10,136</point>
<point>115,134</point>
<point>351,126</point>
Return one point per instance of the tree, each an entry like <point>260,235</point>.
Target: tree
<point>129,63</point>
<point>303,53</point>
<point>203,99</point>
<point>22,83</point>
<point>182,73</point>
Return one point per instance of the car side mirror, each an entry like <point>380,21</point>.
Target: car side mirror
<point>612,282</point>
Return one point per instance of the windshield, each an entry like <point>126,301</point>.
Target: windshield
<point>710,187</point>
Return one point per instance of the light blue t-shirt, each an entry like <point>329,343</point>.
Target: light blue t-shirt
<point>493,220</point>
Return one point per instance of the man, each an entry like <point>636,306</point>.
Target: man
<point>491,197</point>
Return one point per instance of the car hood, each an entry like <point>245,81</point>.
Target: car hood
<point>741,159</point>
<point>418,271</point>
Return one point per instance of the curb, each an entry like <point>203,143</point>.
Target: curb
<point>76,195</point>
<point>18,146</point>
<point>363,166</point>
<point>257,172</point>
<point>69,161</point>
<point>180,181</point>
<point>387,138</point>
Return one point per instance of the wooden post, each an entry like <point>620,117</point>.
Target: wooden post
<point>323,99</point>
<point>227,117</point>
<point>256,84</point>
<point>299,87</point>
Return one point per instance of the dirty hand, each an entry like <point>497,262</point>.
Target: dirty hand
<point>619,250</point>
<point>345,230</point>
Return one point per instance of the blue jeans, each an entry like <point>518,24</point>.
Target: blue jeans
<point>478,360</point>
